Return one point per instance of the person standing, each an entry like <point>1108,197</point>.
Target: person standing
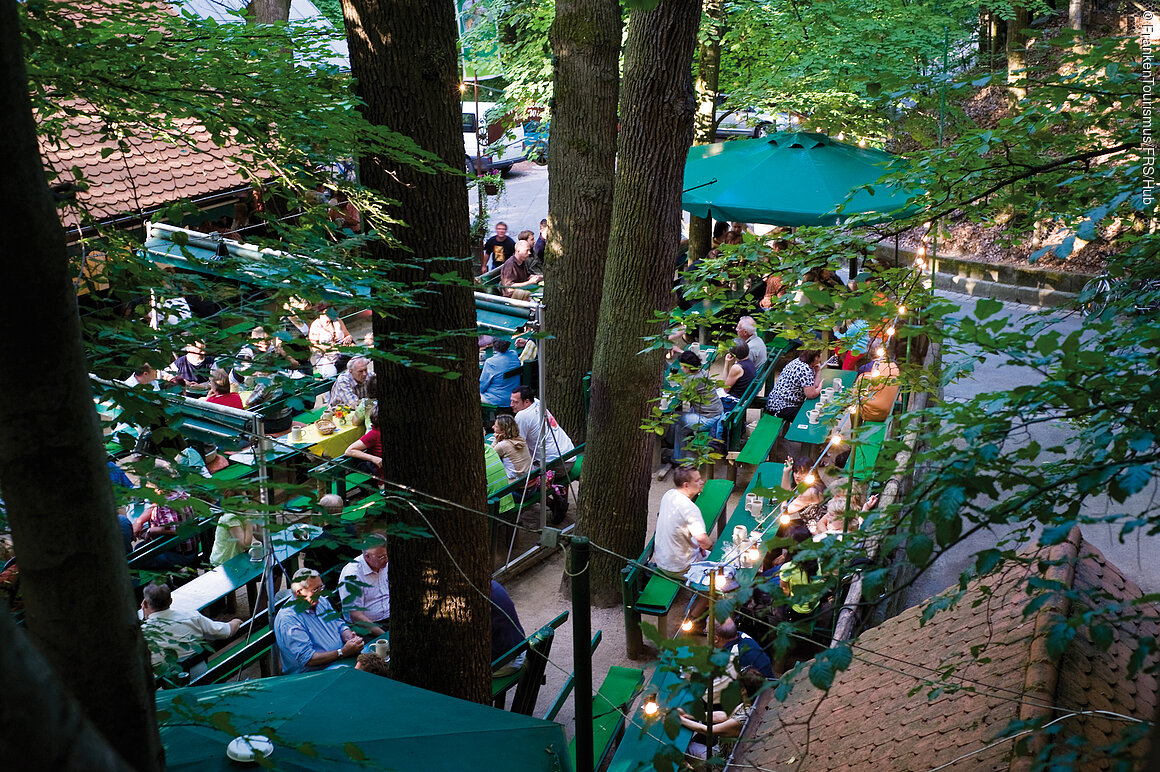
<point>497,249</point>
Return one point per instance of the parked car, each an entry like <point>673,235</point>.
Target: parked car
<point>750,122</point>
<point>491,142</point>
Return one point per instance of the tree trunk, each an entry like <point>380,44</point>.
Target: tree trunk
<point>403,55</point>
<point>582,155</point>
<point>1075,14</point>
<point>79,607</point>
<point>706,87</point>
<point>44,727</point>
<point>268,11</point>
<point>657,106</point>
<point>1017,56</point>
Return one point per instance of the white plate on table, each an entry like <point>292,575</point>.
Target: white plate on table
<point>250,748</point>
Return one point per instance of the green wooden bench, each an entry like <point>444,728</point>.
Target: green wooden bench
<point>340,475</point>
<point>761,441</point>
<point>609,712</point>
<point>646,736</point>
<point>570,683</point>
<point>871,435</point>
<point>645,591</point>
<point>516,487</point>
<point>501,685</point>
<point>154,547</point>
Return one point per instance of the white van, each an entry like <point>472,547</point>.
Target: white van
<point>500,139</point>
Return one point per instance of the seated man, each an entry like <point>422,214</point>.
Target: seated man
<point>191,370</point>
<point>744,653</point>
<point>704,406</point>
<point>506,630</point>
<point>314,637</point>
<point>515,275</point>
<point>364,590</point>
<point>747,334</point>
<point>143,375</point>
<point>527,409</point>
<point>680,530</point>
<point>495,387</point>
<point>173,636</point>
<point>351,385</point>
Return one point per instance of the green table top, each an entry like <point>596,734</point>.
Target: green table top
<point>237,572</point>
<point>801,430</point>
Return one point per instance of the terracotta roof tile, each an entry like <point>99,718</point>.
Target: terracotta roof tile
<point>149,173</point>
<point>867,720</point>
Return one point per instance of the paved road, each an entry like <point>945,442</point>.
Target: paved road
<point>525,202</point>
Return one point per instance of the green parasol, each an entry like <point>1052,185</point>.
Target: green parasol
<point>345,719</point>
<point>792,179</point>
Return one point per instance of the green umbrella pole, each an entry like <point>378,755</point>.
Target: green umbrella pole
<point>581,650</point>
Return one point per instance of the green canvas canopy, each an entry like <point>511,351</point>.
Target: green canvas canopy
<point>345,719</point>
<point>789,178</point>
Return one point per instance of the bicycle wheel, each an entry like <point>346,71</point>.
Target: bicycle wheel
<point>1098,292</point>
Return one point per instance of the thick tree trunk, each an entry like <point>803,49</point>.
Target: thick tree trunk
<point>706,87</point>
<point>1075,14</point>
<point>268,11</point>
<point>582,155</point>
<point>657,106</point>
<point>79,607</point>
<point>403,55</point>
<point>44,727</point>
<point>1017,56</point>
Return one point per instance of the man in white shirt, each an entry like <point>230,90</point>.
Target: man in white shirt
<point>176,635</point>
<point>143,375</point>
<point>680,528</point>
<point>364,589</point>
<point>527,410</point>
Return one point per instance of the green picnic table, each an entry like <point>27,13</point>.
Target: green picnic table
<point>801,430</point>
<point>239,571</point>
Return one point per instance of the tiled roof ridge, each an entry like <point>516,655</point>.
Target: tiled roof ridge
<point>1041,677</point>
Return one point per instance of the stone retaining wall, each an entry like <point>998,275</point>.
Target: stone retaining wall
<point>1032,286</point>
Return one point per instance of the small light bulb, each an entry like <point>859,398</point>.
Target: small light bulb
<point>836,439</point>
<point>687,626</point>
<point>462,87</point>
<point>752,556</point>
<point>890,332</point>
<point>720,581</point>
<point>784,519</point>
<point>881,351</point>
<point>841,135</point>
<point>853,409</point>
<point>651,708</point>
<point>809,478</point>
<point>902,310</point>
<point>926,225</point>
<point>874,373</point>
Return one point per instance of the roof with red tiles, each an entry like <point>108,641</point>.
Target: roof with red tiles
<point>139,174</point>
<point>883,713</point>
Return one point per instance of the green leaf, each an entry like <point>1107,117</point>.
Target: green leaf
<point>822,673</point>
<point>987,560</point>
<point>1055,534</point>
<point>919,549</point>
<point>987,307</point>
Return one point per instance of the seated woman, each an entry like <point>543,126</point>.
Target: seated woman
<point>327,332</point>
<point>234,535</point>
<point>161,521</point>
<point>836,519</point>
<point>798,381</point>
<point>724,725</point>
<point>367,450</point>
<point>809,505</point>
<point>511,447</point>
<point>219,390</point>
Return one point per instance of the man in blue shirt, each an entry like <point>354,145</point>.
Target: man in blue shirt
<point>314,637</point>
<point>494,388</point>
<point>744,653</point>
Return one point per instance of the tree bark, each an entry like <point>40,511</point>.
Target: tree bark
<point>706,88</point>
<point>582,154</point>
<point>268,11</point>
<point>404,57</point>
<point>79,607</point>
<point>657,106</point>
<point>1017,56</point>
<point>1075,14</point>
<point>44,727</point>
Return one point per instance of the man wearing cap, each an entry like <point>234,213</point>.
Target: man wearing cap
<point>310,633</point>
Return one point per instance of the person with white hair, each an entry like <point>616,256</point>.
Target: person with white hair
<point>364,589</point>
<point>310,633</point>
<point>747,334</point>
<point>351,385</point>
